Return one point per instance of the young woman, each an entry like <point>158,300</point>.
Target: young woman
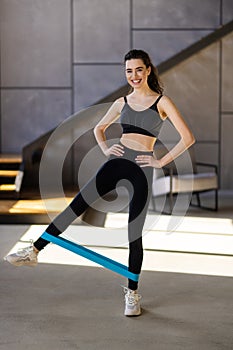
<point>141,115</point>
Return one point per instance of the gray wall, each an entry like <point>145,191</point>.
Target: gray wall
<point>59,56</point>
<point>202,87</point>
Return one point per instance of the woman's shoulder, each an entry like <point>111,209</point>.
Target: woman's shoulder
<point>120,99</point>
<point>165,98</point>
<point>118,104</point>
<point>164,101</point>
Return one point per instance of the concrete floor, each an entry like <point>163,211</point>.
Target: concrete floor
<point>59,307</point>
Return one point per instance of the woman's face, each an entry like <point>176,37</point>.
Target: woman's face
<point>136,73</point>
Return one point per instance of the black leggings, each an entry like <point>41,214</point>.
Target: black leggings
<point>125,172</point>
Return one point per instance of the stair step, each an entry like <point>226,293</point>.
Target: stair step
<point>10,158</point>
<point>7,187</point>
<point>8,173</point>
<point>9,162</point>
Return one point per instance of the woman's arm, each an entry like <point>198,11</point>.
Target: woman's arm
<point>187,139</point>
<point>168,109</point>
<point>99,131</point>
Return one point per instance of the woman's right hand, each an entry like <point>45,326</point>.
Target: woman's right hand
<point>116,150</point>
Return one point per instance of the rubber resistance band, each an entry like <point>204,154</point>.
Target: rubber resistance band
<point>91,255</point>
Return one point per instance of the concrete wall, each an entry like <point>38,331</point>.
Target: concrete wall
<point>59,56</point>
<point>202,88</point>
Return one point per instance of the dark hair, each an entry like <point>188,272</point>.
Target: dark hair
<point>153,79</point>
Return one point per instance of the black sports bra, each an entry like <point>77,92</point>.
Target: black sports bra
<point>146,122</point>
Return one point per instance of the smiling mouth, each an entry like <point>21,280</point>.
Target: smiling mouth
<point>136,81</point>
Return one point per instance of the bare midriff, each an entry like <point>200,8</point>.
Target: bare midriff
<point>138,142</point>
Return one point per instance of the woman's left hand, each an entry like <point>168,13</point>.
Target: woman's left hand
<point>145,161</point>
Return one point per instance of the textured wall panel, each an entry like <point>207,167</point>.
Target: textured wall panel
<point>227,11</point>
<point>227,76</point>
<point>35,43</point>
<point>27,114</point>
<point>101,30</point>
<point>164,44</point>
<point>207,153</point>
<point>193,85</point>
<point>226,156</point>
<point>176,13</point>
<point>95,82</point>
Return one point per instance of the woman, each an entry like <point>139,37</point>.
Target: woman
<point>131,160</point>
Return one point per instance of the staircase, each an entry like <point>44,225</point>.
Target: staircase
<point>10,175</point>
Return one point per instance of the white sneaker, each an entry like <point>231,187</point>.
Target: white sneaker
<point>24,257</point>
<point>132,304</point>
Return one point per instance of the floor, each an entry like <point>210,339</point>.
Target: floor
<point>67,302</point>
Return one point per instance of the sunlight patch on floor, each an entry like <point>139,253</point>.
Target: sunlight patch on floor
<point>182,224</point>
<point>154,260</point>
<point>39,206</point>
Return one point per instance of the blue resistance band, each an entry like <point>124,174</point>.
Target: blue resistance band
<point>93,256</point>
